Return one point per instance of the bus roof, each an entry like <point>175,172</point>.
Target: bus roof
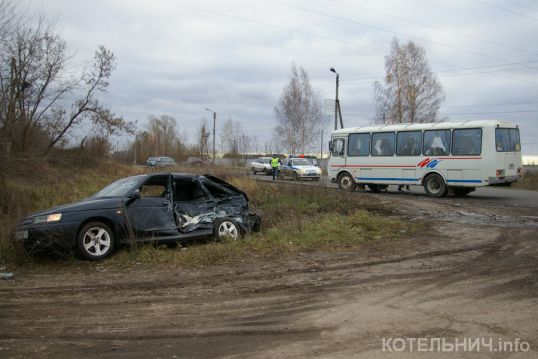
<point>426,126</point>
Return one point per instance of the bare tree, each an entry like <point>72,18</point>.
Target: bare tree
<point>160,137</point>
<point>410,92</point>
<point>39,99</point>
<point>299,113</point>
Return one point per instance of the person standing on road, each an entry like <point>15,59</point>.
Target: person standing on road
<point>275,163</point>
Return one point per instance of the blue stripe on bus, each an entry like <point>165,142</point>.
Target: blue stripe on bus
<point>386,179</point>
<point>465,181</point>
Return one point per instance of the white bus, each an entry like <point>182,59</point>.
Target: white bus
<point>444,157</point>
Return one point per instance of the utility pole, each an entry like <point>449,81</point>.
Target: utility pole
<point>337,110</point>
<point>135,143</point>
<point>214,126</point>
<point>321,149</point>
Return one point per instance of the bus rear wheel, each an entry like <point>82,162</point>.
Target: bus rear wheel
<point>435,186</point>
<point>346,182</point>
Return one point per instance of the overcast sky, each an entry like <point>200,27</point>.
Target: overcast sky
<point>178,57</point>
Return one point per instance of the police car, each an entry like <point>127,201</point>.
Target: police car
<point>299,168</point>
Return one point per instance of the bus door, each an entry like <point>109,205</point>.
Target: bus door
<point>338,155</point>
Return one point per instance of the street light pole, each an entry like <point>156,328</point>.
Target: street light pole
<point>214,125</point>
<point>337,110</point>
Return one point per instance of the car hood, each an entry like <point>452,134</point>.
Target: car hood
<point>84,205</point>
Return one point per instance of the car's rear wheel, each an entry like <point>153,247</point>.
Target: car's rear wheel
<point>346,182</point>
<point>95,241</point>
<point>226,229</point>
<point>435,186</point>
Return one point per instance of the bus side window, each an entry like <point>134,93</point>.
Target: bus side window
<point>467,141</point>
<point>358,144</point>
<point>339,145</point>
<point>436,143</point>
<point>409,143</point>
<point>383,144</point>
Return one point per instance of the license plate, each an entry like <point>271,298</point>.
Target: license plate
<point>20,235</point>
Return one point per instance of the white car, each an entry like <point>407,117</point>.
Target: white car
<point>299,168</point>
<point>261,164</point>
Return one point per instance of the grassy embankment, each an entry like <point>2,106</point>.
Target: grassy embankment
<point>294,218</point>
<point>528,182</point>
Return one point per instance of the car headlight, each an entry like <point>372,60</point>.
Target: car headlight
<point>48,218</point>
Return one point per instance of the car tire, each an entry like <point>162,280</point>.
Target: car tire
<point>253,171</point>
<point>295,176</point>
<point>95,241</point>
<point>346,182</point>
<point>435,186</point>
<point>226,229</point>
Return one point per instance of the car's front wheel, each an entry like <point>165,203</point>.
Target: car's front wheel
<point>253,171</point>
<point>95,241</point>
<point>226,229</point>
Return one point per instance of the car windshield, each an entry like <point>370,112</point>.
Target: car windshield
<point>301,162</point>
<point>120,188</point>
<point>265,160</point>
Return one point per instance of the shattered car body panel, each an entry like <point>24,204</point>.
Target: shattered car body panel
<point>158,207</point>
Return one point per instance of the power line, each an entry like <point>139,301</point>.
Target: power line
<point>378,28</point>
<point>487,113</point>
<point>507,10</point>
<point>243,19</point>
<point>435,27</point>
<point>522,5</point>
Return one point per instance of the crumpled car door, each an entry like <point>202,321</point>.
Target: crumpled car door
<point>152,216</point>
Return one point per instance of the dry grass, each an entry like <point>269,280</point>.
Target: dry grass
<point>528,182</point>
<point>294,218</point>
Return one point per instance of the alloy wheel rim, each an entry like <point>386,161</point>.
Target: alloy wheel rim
<point>228,229</point>
<point>96,241</point>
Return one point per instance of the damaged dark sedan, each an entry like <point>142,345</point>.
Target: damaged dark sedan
<point>165,208</point>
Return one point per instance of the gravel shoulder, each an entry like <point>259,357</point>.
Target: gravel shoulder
<point>472,274</point>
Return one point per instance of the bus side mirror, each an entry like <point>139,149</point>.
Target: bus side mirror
<point>331,146</point>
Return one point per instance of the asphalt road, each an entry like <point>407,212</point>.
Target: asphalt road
<point>501,195</point>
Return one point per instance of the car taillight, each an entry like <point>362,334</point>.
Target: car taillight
<point>499,173</point>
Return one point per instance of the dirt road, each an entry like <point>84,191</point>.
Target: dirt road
<point>472,274</point>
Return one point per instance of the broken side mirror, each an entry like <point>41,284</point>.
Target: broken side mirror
<point>135,194</point>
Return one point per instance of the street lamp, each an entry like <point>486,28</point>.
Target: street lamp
<point>214,124</point>
<point>337,110</point>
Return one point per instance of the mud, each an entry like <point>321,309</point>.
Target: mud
<point>473,273</point>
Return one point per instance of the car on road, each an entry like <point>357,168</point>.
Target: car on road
<point>261,164</point>
<point>163,207</point>
<point>161,161</point>
<point>194,162</point>
<point>299,168</point>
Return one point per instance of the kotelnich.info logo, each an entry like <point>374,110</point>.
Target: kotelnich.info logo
<point>491,345</point>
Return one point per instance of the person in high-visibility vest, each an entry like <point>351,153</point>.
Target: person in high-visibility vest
<point>275,163</point>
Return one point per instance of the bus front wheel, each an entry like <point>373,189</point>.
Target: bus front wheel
<point>346,182</point>
<point>435,186</point>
